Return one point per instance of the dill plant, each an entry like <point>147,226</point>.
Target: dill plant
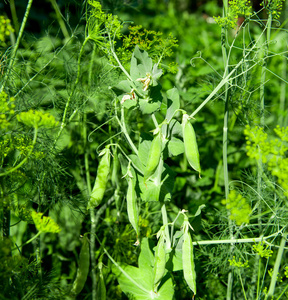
<point>85,92</point>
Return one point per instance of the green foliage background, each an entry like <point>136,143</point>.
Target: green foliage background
<point>54,180</point>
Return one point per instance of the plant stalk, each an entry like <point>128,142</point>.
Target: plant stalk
<point>59,18</point>
<point>92,213</point>
<point>276,267</point>
<point>15,48</point>
<point>224,34</point>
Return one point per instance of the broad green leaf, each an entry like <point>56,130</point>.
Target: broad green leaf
<point>149,191</point>
<point>154,191</point>
<point>146,257</point>
<point>151,103</point>
<point>141,64</point>
<point>175,147</point>
<point>166,291</point>
<point>168,176</point>
<point>129,104</point>
<point>148,105</point>
<point>175,128</point>
<point>123,163</point>
<point>134,70</point>
<point>122,87</point>
<point>173,103</point>
<point>144,278</point>
<point>137,162</point>
<point>156,74</point>
<point>144,148</point>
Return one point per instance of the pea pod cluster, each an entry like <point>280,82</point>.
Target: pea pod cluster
<point>153,156</point>
<point>83,268</point>
<point>190,144</point>
<point>99,188</point>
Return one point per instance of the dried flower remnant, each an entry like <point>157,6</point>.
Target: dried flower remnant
<point>129,96</point>
<point>146,81</point>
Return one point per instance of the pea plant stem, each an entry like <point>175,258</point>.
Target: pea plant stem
<point>124,130</point>
<point>259,275</point>
<point>155,121</point>
<point>92,253</point>
<point>283,88</point>
<point>91,64</point>
<point>15,48</point>
<point>276,267</point>
<point>14,15</point>
<point>262,114</point>
<point>242,285</point>
<point>224,38</point>
<point>235,241</point>
<point>226,78</point>
<point>118,61</point>
<point>59,18</point>
<point>92,212</point>
<point>29,241</point>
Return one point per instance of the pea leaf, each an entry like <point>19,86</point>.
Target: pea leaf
<point>175,147</point>
<point>141,64</point>
<point>144,147</point>
<point>173,103</point>
<point>156,74</point>
<point>166,291</point>
<point>129,103</point>
<point>151,103</point>
<point>137,162</point>
<point>122,87</point>
<point>175,128</point>
<point>146,258</point>
<point>153,190</point>
<point>144,276</point>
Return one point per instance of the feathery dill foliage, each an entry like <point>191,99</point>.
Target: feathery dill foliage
<point>274,7</point>
<point>272,152</point>
<point>7,107</point>
<point>5,30</point>
<point>239,208</point>
<point>151,41</point>
<point>235,9</point>
<point>66,99</point>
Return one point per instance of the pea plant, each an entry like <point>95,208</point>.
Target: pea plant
<point>172,197</point>
<point>150,179</point>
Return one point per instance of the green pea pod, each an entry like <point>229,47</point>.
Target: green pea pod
<point>153,156</point>
<point>99,188</point>
<point>83,268</point>
<point>132,205</point>
<point>101,287</point>
<point>159,262</point>
<point>188,262</point>
<point>190,144</point>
